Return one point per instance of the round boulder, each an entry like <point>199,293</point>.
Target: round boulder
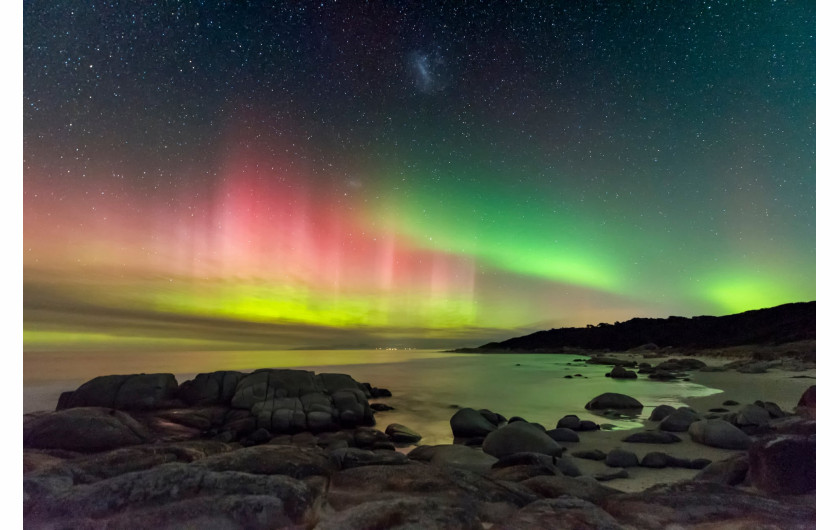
<point>657,460</point>
<point>621,458</point>
<point>586,425</point>
<point>570,421</point>
<point>679,420</point>
<point>718,433</point>
<point>661,412</point>
<point>619,372</point>
<point>519,437</point>
<point>563,435</point>
<point>752,415</point>
<point>467,423</point>
<point>612,400</point>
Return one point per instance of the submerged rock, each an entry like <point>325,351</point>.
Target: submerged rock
<point>619,372</point>
<point>401,434</point>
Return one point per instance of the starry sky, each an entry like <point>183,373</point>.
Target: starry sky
<point>241,174</point>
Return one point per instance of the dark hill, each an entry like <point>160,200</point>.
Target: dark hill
<point>775,325</point>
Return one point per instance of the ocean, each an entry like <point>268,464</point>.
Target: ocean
<point>427,386</point>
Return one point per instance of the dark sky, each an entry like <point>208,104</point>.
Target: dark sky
<point>365,173</point>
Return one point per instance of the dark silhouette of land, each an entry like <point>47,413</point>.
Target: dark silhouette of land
<point>771,326</point>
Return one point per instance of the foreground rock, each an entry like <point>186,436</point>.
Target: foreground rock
<point>563,512</point>
<point>405,512</point>
<point>208,464</point>
<point>585,488</point>
<point>293,461</point>
<point>169,494</point>
<point>353,487</point>
<point>784,464</point>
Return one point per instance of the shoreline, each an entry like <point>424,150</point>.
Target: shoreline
<point>331,471</point>
<point>779,386</point>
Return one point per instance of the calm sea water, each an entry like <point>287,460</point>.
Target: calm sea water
<point>426,385</point>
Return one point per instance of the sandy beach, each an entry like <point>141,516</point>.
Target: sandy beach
<point>782,387</point>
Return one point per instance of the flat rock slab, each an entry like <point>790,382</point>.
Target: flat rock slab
<point>153,489</point>
<point>405,512</point>
<point>563,512</point>
<point>585,488</point>
<point>705,505</point>
<point>460,456</point>
<point>350,457</point>
<point>290,460</point>
<point>99,466</point>
<point>652,437</point>
<point>355,486</point>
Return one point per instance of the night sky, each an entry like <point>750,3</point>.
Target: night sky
<point>350,174</point>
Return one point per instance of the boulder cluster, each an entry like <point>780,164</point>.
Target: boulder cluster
<point>288,448</point>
